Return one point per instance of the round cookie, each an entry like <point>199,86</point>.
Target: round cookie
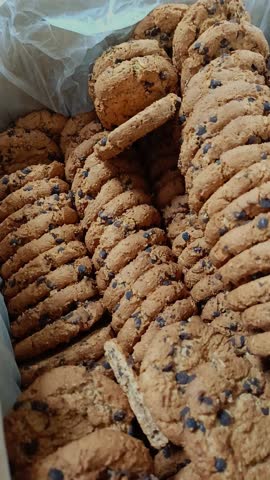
<point>42,265</point>
<point>53,307</point>
<point>46,121</point>
<point>123,281</point>
<point>109,191</point>
<point>223,37</point>
<point>20,147</point>
<point>61,406</point>
<point>243,208</point>
<point>73,127</point>
<point>241,238</point>
<point>34,229</point>
<point>104,448</point>
<point>28,212</point>
<point>62,331</point>
<point>239,184</point>
<point>179,311</point>
<point>56,280</point>
<point>125,251</point>
<point>126,89</point>
<point>89,181</point>
<point>26,253</point>
<point>79,155</point>
<point>144,286</point>
<point>202,269</point>
<point>106,237</point>
<point>90,130</point>
<point>216,174</point>
<point>30,193</point>
<point>86,350</point>
<point>194,251</point>
<point>224,402</point>
<point>242,65</point>
<point>122,52</point>
<point>214,111</point>
<point>182,223</point>
<point>136,325</point>
<point>160,24</point>
<point>239,269</point>
<point>171,185</point>
<point>15,181</point>
<point>248,130</point>
<point>117,206</point>
<point>249,294</point>
<point>199,17</point>
<point>183,239</point>
<point>169,367</point>
<point>144,122</point>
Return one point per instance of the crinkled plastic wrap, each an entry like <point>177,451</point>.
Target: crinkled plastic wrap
<point>46,50</point>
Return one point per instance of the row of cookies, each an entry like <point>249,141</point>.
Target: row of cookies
<point>226,123</point>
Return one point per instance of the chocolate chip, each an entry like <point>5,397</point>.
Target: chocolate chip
<point>182,119</point>
<point>161,322</point>
<point>258,88</point>
<point>215,84</point>
<point>224,43</point>
<point>80,193</point>
<point>266,107</point>
<point>103,254</point>
<point>106,365</point>
<point>114,284</point>
<point>183,378</point>
<point>264,202</point>
<point>206,400</point>
<point>55,474</point>
<point>227,393</point>
<point>5,180</point>
<point>163,75</point>
<point>14,242</point>
<point>197,250</point>
<point>28,188</point>
<point>164,36</point>
<point>185,336</point>
<point>197,46</point>
<point>265,410</point>
<point>191,424</point>
<point>185,236</point>
<point>39,406</point>
<point>216,314</point>
<point>252,385</point>
<point>206,148</point>
<point>85,173</point>
<point>30,448</point>
<point>201,427</point>
<point>148,84</point>
<point>81,271</point>
<point>129,294</point>
<point>103,141</point>
<point>146,235</point>
<point>26,170</point>
<point>148,249</point>
<point>118,60</point>
<point>184,412</point>
<point>55,190</point>
<point>167,451</point>
<point>264,156</point>
<point>240,215</point>
<point>166,282</point>
<point>252,140</point>
<point>137,320</point>
<point>201,130</point>
<point>222,231</point>
<point>58,241</point>
<point>168,368</point>
<point>213,119</point>
<point>60,249</point>
<point>119,416</point>
<point>224,418</point>
<point>220,464</point>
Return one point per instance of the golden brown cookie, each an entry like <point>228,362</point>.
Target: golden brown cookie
<point>160,24</point>
<point>86,350</point>
<point>57,304</point>
<point>21,148</point>
<point>61,406</point>
<point>73,127</point>
<point>216,174</point>
<point>26,253</point>
<point>125,251</point>
<point>102,449</point>
<point>15,181</point>
<point>46,121</point>
<point>61,332</point>
<point>241,65</point>
<point>138,126</point>
<point>34,229</point>
<point>41,265</point>
<point>220,38</point>
<point>199,17</point>
<point>78,156</point>
<point>90,130</point>
<point>202,269</point>
<point>124,90</point>
<point>123,281</point>
<point>45,285</point>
